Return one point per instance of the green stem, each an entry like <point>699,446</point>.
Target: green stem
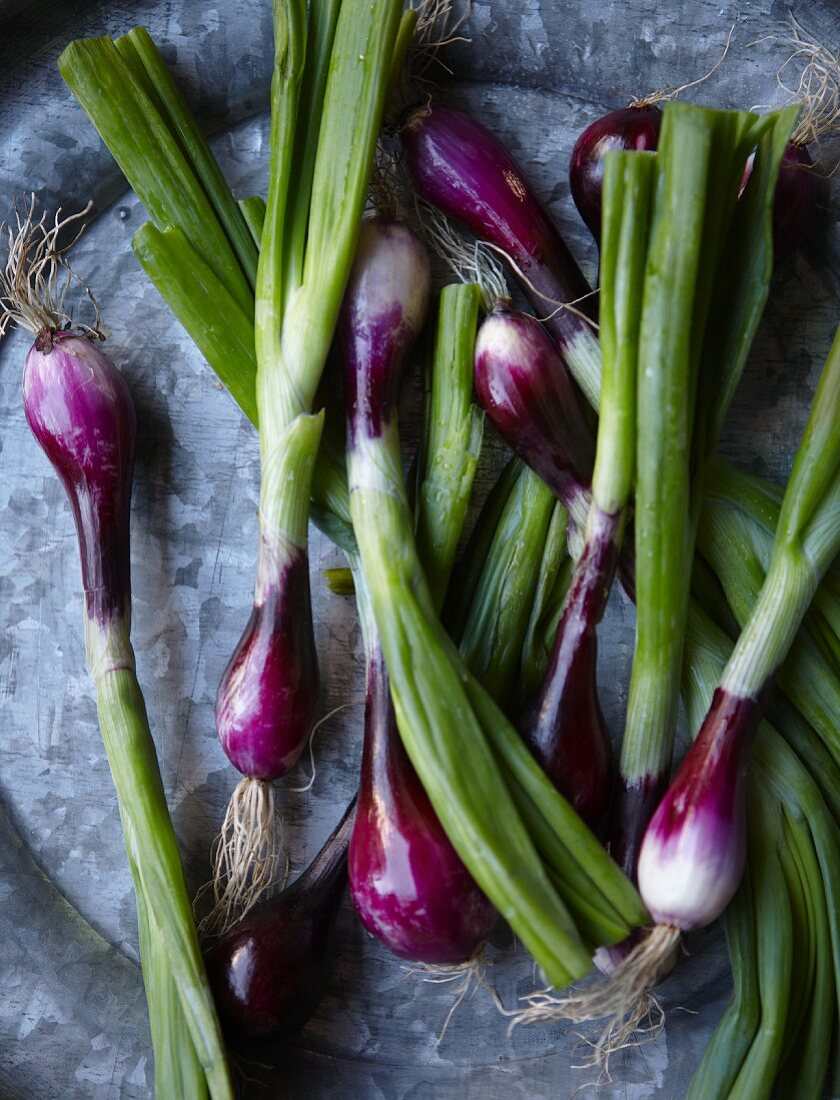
<point>177,1069</point>
<point>808,1046</point>
<point>175,112</point>
<point>665,402</point>
<point>466,574</point>
<point>453,445</point>
<point>494,631</point>
<point>774,954</point>
<point>628,194</point>
<point>277,399</point>
<point>552,585</point>
<point>149,155</point>
<point>725,1052</point>
<point>134,768</point>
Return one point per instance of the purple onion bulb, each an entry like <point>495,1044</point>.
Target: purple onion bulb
<point>268,971</point>
<point>460,167</point>
<point>522,384</point>
<point>383,311</point>
<point>634,127</point>
<point>408,884</point>
<point>268,695</point>
<point>80,410</point>
<point>563,725</point>
<point>692,856</point>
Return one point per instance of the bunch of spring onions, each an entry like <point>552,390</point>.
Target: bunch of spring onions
<point>573,898</point>
<point>81,413</point>
<point>507,631</point>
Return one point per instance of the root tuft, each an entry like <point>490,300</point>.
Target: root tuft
<point>471,262</point>
<point>247,856</point>
<point>469,976</point>
<point>817,87</point>
<point>624,1000</point>
<point>37,275</point>
<point>663,95</point>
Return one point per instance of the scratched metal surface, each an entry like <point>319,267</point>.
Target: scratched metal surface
<point>72,1014</point>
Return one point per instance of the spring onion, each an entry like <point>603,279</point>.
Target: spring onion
<point>81,413</point>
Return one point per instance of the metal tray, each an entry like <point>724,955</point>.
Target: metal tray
<point>72,1011</point>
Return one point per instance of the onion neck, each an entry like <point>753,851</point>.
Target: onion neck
<point>287,467</point>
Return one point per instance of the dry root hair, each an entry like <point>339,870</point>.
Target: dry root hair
<point>37,275</point>
<point>321,721</point>
<point>818,87</point>
<point>247,856</point>
<point>663,95</point>
<point>624,1001</point>
<point>470,262</point>
<point>437,26</point>
<point>466,978</point>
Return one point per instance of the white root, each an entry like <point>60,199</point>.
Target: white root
<point>37,276</point>
<point>467,978</point>
<point>321,721</point>
<point>663,95</point>
<point>818,88</point>
<point>247,856</point>
<point>470,262</point>
<point>436,27</point>
<point>624,1000</point>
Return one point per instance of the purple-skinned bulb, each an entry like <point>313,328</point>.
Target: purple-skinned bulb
<point>459,166</point>
<point>522,384</point>
<point>407,882</point>
<point>80,410</point>
<point>268,971</point>
<point>563,725</point>
<point>268,695</point>
<point>383,311</point>
<point>635,127</point>
<point>693,852</point>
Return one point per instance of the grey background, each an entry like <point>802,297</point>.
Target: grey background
<point>72,1012</point>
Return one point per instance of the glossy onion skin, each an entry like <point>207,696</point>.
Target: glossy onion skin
<point>269,970</point>
<point>268,695</point>
<point>564,725</point>
<point>407,882</point>
<point>637,127</point>
<point>460,167</point>
<point>522,384</point>
<point>628,128</point>
<point>79,408</point>
<point>383,311</point>
<point>693,853</point>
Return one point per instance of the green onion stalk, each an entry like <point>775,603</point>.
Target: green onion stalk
<point>407,882</point>
<point>81,413</point>
<point>503,598</point>
<point>707,280</point>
